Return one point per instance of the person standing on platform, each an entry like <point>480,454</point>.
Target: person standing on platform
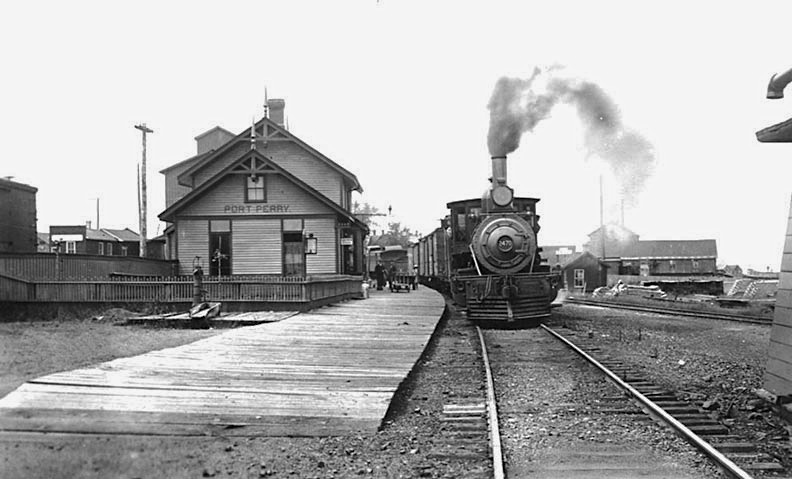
<point>379,274</point>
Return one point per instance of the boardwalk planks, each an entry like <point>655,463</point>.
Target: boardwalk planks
<point>330,371</point>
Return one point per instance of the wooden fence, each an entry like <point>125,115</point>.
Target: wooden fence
<point>179,289</point>
<point>52,266</point>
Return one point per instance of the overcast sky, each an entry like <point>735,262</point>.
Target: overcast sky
<point>397,93</point>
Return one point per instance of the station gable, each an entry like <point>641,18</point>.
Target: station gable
<point>254,185</point>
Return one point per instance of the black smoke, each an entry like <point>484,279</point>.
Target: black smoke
<point>518,105</point>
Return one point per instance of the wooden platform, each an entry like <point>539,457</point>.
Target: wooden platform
<point>331,371</point>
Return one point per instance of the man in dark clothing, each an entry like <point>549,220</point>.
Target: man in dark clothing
<point>379,274</point>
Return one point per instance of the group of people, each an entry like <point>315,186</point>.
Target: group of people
<point>383,276</point>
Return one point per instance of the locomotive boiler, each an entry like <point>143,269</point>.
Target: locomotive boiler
<point>486,254</point>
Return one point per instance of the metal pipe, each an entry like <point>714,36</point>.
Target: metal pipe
<point>775,89</point>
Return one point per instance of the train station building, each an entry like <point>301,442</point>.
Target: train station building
<point>261,202</point>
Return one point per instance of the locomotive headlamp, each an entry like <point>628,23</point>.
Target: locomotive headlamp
<point>502,195</point>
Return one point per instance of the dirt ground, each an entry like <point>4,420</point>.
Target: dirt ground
<point>717,364</point>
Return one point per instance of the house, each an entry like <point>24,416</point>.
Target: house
<point>584,272</point>
<point>17,217</point>
<point>261,202</point>
<point>81,239</point>
<point>669,258</point>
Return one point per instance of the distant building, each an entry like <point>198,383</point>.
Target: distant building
<point>615,238</point>
<point>556,255</point>
<point>81,239</point>
<point>17,217</point>
<point>668,258</point>
<point>732,270</point>
<point>583,272</point>
<point>262,202</point>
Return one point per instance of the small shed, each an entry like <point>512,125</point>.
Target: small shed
<point>584,272</point>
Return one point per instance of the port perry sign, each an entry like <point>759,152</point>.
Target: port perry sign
<point>255,209</point>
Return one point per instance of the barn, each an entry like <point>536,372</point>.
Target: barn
<point>261,202</point>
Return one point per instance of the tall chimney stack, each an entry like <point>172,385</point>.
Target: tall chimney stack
<point>276,107</point>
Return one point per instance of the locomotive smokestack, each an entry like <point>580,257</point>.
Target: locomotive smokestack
<point>498,170</point>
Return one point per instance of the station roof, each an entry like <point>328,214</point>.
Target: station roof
<point>199,161</point>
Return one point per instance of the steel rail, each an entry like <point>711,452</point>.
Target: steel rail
<point>492,411</point>
<point>672,312</point>
<point>729,467</point>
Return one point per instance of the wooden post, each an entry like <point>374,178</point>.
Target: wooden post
<point>142,190</point>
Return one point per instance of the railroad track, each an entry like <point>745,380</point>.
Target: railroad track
<point>669,311</point>
<point>730,454</point>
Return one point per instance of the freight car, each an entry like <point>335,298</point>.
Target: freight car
<point>485,255</point>
<point>398,264</point>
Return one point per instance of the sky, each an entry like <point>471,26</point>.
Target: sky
<point>397,93</point>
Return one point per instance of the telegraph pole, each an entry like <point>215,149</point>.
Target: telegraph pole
<point>142,191</point>
<point>602,219</point>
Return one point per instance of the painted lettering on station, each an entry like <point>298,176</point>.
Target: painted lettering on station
<point>255,209</point>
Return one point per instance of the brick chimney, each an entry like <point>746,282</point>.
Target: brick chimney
<point>276,107</point>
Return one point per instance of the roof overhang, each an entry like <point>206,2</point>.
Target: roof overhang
<point>778,133</point>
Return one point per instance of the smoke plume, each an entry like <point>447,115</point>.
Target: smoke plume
<point>518,105</point>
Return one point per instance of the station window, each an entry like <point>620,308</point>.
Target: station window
<point>695,265</point>
<point>109,249</point>
<point>672,265</point>
<point>71,247</point>
<point>293,224</point>
<point>255,191</point>
<point>101,248</point>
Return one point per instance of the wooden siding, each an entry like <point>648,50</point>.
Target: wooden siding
<point>324,230</point>
<point>173,190</point>
<point>43,266</point>
<point>18,213</point>
<point>193,241</point>
<point>256,246</point>
<point>311,170</point>
<point>228,198</point>
<point>778,376</point>
<point>179,289</point>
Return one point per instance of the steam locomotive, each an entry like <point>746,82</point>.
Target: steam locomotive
<point>485,255</point>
